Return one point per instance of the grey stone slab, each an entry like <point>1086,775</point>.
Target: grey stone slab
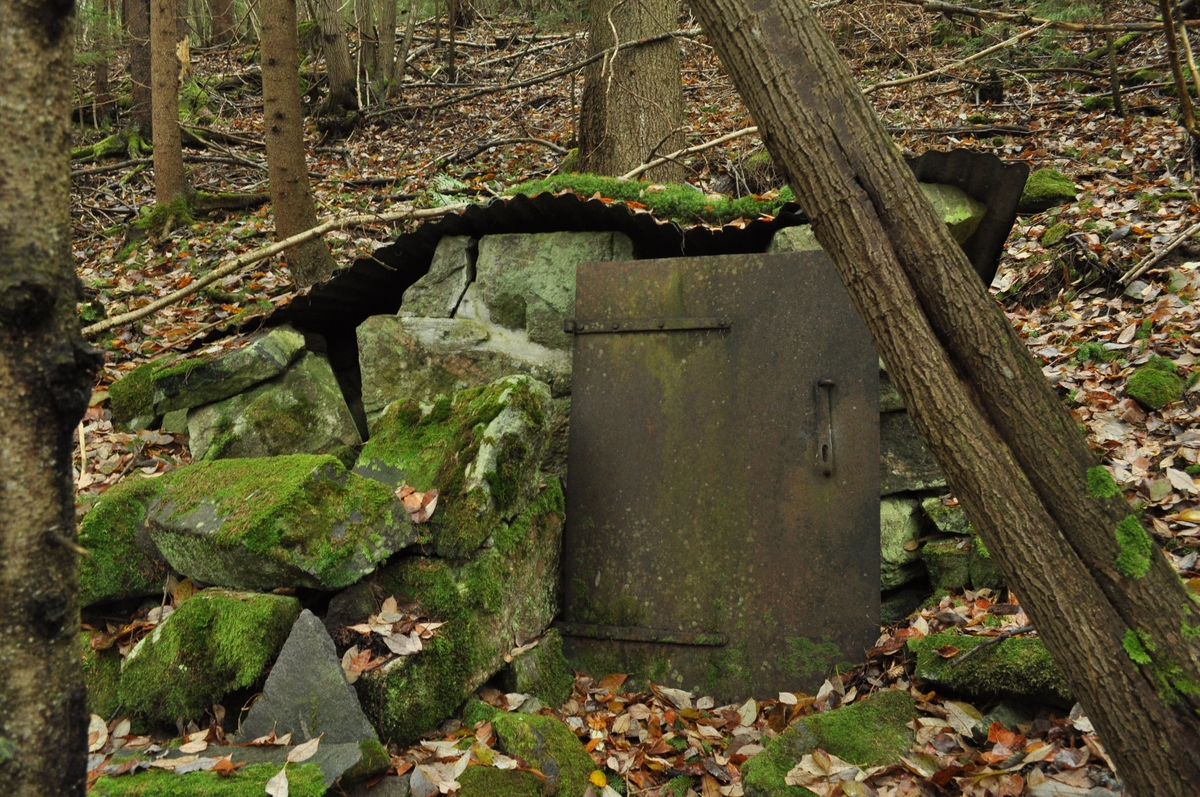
<point>899,529</point>
<point>436,295</point>
<point>904,462</point>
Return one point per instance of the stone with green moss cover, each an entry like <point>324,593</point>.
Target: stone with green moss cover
<point>948,562</point>
<point>542,672</point>
<point>293,521</point>
<point>101,675</point>
<point>304,780</point>
<point>215,642</point>
<point>301,411</point>
<point>1055,234</point>
<point>124,561</point>
<point>545,743</point>
<point>1018,667</point>
<point>870,733</point>
<point>492,782</point>
<point>899,529</point>
<point>1044,189</point>
<point>498,599</point>
<point>481,451</point>
<point>1155,384</point>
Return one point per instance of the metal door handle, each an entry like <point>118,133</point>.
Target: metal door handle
<point>825,426</point>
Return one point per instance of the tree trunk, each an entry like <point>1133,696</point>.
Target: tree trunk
<point>103,104</point>
<point>342,97</point>
<point>368,37</point>
<point>222,16</point>
<point>291,196</point>
<point>46,375</point>
<point>1186,110</point>
<point>169,181</point>
<point>632,106</point>
<point>1114,74</point>
<point>451,34</point>
<point>137,25</point>
<point>1108,605</point>
<point>385,57</point>
<point>401,65</point>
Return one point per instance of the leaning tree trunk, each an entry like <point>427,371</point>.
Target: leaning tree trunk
<point>222,18</point>
<point>46,379</point>
<point>401,64</point>
<point>1108,605</point>
<point>169,181</point>
<point>342,96</point>
<point>137,25</point>
<point>291,196</point>
<point>632,105</point>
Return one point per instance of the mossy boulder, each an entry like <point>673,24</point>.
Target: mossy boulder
<point>293,521</point>
<point>1155,384</point>
<point>947,519</point>
<point>899,529</point>
<point>498,599</point>
<point>542,672</point>
<point>794,239</point>
<point>304,780</point>
<point>985,573</point>
<point>1018,667</point>
<point>302,411</point>
<point>124,561</point>
<point>481,450</point>
<point>101,674</point>
<point>948,562</point>
<point>1045,189</point>
<point>215,642</point>
<point>870,733</point>
<point>492,782</point>
<point>544,743</point>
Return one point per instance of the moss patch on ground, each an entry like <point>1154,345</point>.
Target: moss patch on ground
<point>1046,188</point>
<point>669,201</point>
<point>1017,667</point>
<point>491,782</point>
<point>1155,384</point>
<point>215,642</point>
<point>304,518</point>
<point>305,780</point>
<point>1055,234</point>
<point>870,733</point>
<point>124,562</point>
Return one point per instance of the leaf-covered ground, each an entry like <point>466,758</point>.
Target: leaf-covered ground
<point>1135,177</point>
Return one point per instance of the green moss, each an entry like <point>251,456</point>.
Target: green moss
<point>215,642</point>
<point>132,396</point>
<point>1097,103</point>
<point>1018,667</point>
<point>1134,647</point>
<point>548,745</point>
<point>806,658</point>
<point>165,216</point>
<point>284,508</point>
<point>541,672</point>
<point>1100,483</point>
<point>1133,561</point>
<point>1055,234</point>
<point>677,786</point>
<point>570,162</point>
<point>869,733</point>
<point>1144,76</point>
<point>374,762</point>
<point>1154,387</point>
<point>1046,188</point>
<point>1189,631</point>
<point>124,562</point>
<point>305,780</point>
<point>101,674</point>
<point>678,202</point>
<point>1145,330</point>
<point>948,563</point>
<point>480,781</point>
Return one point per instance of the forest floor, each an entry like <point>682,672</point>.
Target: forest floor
<point>1136,192</point>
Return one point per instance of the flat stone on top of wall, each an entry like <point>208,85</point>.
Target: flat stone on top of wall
<point>436,294</point>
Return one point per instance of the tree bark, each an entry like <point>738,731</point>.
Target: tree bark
<point>291,195</point>
<point>46,375</point>
<point>342,96</point>
<point>385,56</point>
<point>104,105</point>
<point>1114,74</point>
<point>222,16</point>
<point>451,42</point>
<point>368,37</point>
<point>401,65</point>
<point>632,105</point>
<point>137,25</point>
<point>1108,605</point>
<point>169,180</point>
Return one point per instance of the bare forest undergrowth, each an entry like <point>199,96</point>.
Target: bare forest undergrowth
<point>1135,175</point>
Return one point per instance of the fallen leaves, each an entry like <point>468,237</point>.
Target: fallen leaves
<point>420,506</point>
<point>397,633</point>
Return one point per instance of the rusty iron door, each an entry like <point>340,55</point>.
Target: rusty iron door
<point>722,527</point>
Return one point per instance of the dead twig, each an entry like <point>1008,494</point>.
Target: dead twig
<point>239,263</point>
<point>1003,635</point>
<point>1149,261</point>
<point>745,131</point>
<point>501,142</point>
<point>1078,27</point>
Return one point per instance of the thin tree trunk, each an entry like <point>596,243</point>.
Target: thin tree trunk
<point>632,106</point>
<point>1114,74</point>
<point>342,96</point>
<point>451,34</point>
<point>291,195</point>
<point>1108,605</point>
<point>137,25</point>
<point>385,57</point>
<point>169,180</point>
<point>222,18</point>
<point>1185,98</point>
<point>103,103</point>
<point>46,376</point>
<point>402,57</point>
<point>368,37</point>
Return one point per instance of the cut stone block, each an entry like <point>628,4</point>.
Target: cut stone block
<point>948,562</point>
<point>904,462</point>
<point>947,519</point>
<point>436,295</point>
<point>1019,667</point>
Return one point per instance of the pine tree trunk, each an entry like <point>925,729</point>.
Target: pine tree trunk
<point>632,105</point>
<point>137,25</point>
<point>1108,605</point>
<point>291,195</point>
<point>46,377</point>
<point>222,16</point>
<point>342,96</point>
<point>169,180</point>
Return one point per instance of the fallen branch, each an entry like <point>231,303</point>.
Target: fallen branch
<point>239,263</point>
<point>745,131</point>
<point>1078,27</point>
<point>1003,635</point>
<point>533,81</point>
<point>500,142</point>
<point>1004,45</point>
<point>975,130</point>
<point>1148,262</point>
